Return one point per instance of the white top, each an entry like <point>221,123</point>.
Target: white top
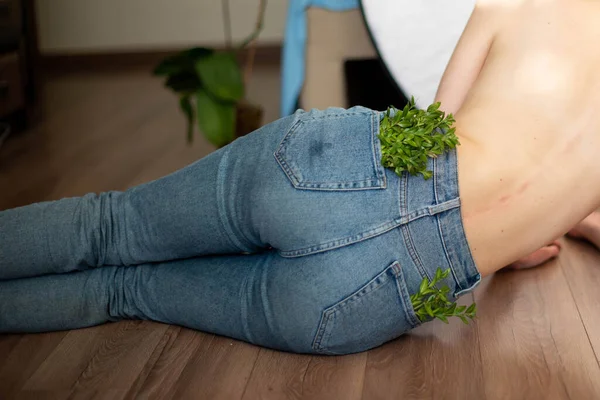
<point>415,39</point>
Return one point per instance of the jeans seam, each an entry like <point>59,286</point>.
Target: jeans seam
<point>380,172</point>
<point>440,223</point>
<point>122,211</point>
<point>47,237</point>
<point>325,316</point>
<point>409,243</point>
<point>406,235</point>
<point>281,161</point>
<point>340,115</point>
<point>406,302</point>
<point>338,243</point>
<point>348,240</point>
<point>221,205</point>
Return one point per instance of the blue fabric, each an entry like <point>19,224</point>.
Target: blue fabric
<point>293,63</point>
<point>293,237</point>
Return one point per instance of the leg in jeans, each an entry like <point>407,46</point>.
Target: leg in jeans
<point>262,298</point>
<point>198,210</point>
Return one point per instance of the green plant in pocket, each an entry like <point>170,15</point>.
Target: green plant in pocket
<point>409,136</point>
<point>432,302</point>
<point>210,85</point>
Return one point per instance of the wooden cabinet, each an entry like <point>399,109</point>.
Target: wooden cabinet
<point>12,95</point>
<point>18,58</point>
<point>11,15</point>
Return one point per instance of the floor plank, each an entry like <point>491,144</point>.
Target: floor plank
<point>434,361</point>
<point>24,359</point>
<point>277,375</point>
<point>581,268</point>
<point>335,377</point>
<point>532,336</point>
<point>219,370</point>
<point>164,367</point>
<point>111,356</point>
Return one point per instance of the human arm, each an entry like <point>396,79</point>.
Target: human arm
<point>468,57</point>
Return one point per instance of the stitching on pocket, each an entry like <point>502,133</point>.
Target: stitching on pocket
<point>281,160</point>
<point>404,293</point>
<point>376,149</point>
<point>379,180</point>
<point>326,316</point>
<point>330,311</point>
<point>327,321</point>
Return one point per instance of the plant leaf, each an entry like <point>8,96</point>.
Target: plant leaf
<point>183,82</point>
<point>424,284</point>
<point>221,75</point>
<point>216,119</point>
<point>428,309</point>
<point>181,62</point>
<point>471,309</point>
<point>185,103</point>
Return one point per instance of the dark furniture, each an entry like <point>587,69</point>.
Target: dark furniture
<point>18,58</point>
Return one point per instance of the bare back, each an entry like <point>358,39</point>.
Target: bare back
<point>529,125</point>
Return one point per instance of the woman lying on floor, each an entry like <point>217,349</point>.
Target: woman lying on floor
<point>297,238</point>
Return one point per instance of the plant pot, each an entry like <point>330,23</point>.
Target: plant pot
<point>248,118</point>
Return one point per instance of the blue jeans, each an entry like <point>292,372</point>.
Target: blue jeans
<point>293,237</point>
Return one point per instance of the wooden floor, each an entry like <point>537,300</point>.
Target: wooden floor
<point>537,335</point>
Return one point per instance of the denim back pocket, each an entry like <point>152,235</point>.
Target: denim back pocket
<point>334,149</point>
<point>376,313</point>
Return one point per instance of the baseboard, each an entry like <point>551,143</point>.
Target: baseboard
<point>57,62</point>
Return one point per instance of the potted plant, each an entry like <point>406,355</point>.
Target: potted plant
<point>211,86</point>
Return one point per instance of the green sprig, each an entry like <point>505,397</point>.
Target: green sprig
<point>432,302</point>
<point>410,136</point>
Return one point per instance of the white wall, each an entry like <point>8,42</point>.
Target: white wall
<point>80,26</point>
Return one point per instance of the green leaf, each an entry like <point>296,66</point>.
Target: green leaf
<point>424,284</point>
<point>221,75</point>
<point>463,319</point>
<point>184,82</point>
<point>471,308</point>
<point>216,119</point>
<point>442,318</point>
<point>428,309</point>
<point>181,62</point>
<point>410,136</point>
<point>185,103</point>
